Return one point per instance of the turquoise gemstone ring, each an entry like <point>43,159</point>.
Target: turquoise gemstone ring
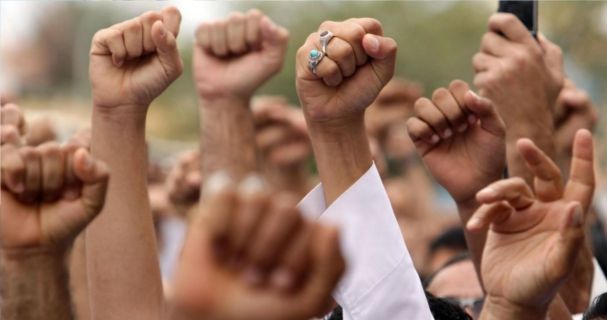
<point>314,58</point>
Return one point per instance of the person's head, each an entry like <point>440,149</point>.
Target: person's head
<point>444,247</point>
<point>598,309</point>
<point>458,283</point>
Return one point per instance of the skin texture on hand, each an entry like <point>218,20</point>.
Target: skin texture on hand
<point>131,63</point>
<point>49,195</point>
<point>534,239</point>
<point>359,62</point>
<point>523,77</point>
<point>250,255</point>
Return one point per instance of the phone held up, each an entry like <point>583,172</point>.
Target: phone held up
<point>525,10</point>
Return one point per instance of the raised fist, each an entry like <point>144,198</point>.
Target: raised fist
<point>134,61</point>
<point>337,85</point>
<point>49,195</point>
<point>233,57</point>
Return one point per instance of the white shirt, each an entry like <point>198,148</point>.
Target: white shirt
<point>380,281</point>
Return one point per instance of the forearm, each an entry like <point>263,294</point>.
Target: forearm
<point>34,285</point>
<point>498,309</point>
<point>476,240</point>
<point>227,137</point>
<point>342,155</point>
<point>123,270</point>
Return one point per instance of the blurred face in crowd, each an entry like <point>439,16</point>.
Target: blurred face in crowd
<point>458,282</point>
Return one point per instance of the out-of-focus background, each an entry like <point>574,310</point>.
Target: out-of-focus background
<point>44,51</point>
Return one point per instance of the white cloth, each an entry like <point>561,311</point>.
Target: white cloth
<point>380,281</point>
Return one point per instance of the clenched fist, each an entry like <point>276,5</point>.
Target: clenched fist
<point>134,61</point>
<point>235,56</point>
<point>357,64</point>
<point>49,195</point>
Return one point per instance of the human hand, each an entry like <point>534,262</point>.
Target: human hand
<point>534,239</point>
<point>134,61</point>
<point>12,124</point>
<point>520,75</point>
<point>461,139</point>
<point>49,195</point>
<point>184,179</point>
<point>358,63</point>
<point>233,57</point>
<point>249,255</point>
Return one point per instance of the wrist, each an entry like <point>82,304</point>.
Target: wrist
<point>10,256</point>
<point>123,114</point>
<point>224,102</point>
<point>500,308</point>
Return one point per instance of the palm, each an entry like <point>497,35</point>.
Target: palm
<point>350,98</point>
<point>23,225</point>
<point>137,82</point>
<point>516,248</point>
<point>475,159</point>
<point>240,75</point>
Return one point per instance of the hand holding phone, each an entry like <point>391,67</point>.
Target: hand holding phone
<point>525,10</point>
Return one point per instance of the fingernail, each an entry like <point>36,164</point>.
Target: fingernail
<point>252,276</point>
<point>471,119</point>
<point>474,94</point>
<point>162,32</point>
<point>473,223</point>
<point>487,193</point>
<point>463,127</point>
<point>374,43</point>
<point>216,182</point>
<point>448,133</point>
<point>88,162</point>
<point>434,139</point>
<point>251,185</point>
<point>578,217</point>
<point>282,279</point>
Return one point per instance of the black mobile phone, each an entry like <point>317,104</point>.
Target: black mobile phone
<point>525,10</point>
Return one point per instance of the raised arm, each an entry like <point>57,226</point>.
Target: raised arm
<point>233,57</point>
<point>40,215</point>
<point>131,63</point>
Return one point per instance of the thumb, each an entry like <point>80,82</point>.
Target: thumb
<point>166,48</point>
<point>485,111</point>
<point>570,241</point>
<point>94,176</point>
<point>383,52</point>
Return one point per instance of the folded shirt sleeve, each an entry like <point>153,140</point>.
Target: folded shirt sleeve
<point>380,281</point>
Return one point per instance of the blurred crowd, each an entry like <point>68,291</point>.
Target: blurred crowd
<point>334,208</point>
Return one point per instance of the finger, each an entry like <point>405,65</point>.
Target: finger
<point>272,35</point>
<point>147,21</point>
<point>329,72</point>
<point>11,115</point>
<point>422,134</point>
<point>272,136</point>
<point>429,113</point>
<point>459,89</point>
<point>203,36</point>
<point>171,17</point>
<point>9,135</point>
<point>495,45</point>
<point>547,181</point>
<point>31,159</point>
<point>218,205</point>
<point>342,53</point>
<point>236,33</point>
<point>253,35</point>
<point>252,210</point>
<point>370,25</point>
<point>295,261</point>
<point>383,51</point>
<point>111,42</point>
<point>133,35</point>
<point>13,169</point>
<point>445,102</point>
<point>303,57</point>
<point>219,44</point>
<point>581,184</point>
<point>277,229</point>
<point>514,190</point>
<point>482,62</point>
<point>484,110</point>
<point>488,214</point>
<point>73,185</point>
<point>552,52</point>
<point>52,161</point>
<point>352,33</point>
<point>511,27</point>
<point>570,242</point>
<point>94,175</point>
<point>166,48</point>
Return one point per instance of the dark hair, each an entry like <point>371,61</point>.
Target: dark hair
<point>598,309</point>
<point>464,256</point>
<point>441,309</point>
<point>452,238</point>
<point>599,244</point>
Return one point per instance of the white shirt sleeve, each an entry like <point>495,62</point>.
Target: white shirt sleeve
<point>380,281</point>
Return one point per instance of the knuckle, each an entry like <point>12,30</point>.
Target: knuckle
<point>439,94</point>
<point>255,13</point>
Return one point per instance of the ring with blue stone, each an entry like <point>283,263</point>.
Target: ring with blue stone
<point>314,58</point>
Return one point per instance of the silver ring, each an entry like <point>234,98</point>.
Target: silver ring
<point>314,58</point>
<point>325,38</point>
